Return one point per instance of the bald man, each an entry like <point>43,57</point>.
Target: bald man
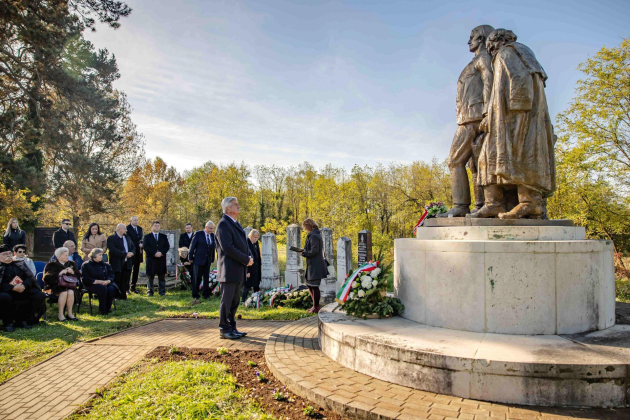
<point>121,251</point>
<point>73,255</point>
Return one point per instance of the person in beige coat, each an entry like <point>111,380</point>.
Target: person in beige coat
<point>94,239</point>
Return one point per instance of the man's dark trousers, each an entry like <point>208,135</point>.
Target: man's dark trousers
<point>230,298</point>
<point>136,269</point>
<point>161,284</point>
<point>121,278</point>
<point>22,306</point>
<point>201,272</point>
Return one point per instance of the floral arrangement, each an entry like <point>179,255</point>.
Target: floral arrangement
<point>435,208</point>
<point>365,293</point>
<point>298,299</point>
<point>272,297</point>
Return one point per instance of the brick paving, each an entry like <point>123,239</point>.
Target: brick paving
<point>56,387</point>
<point>293,355</point>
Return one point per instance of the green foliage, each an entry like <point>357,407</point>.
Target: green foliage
<point>222,350</point>
<point>177,390</point>
<point>623,290</point>
<point>309,411</point>
<point>369,296</point>
<point>251,364</point>
<point>299,299</point>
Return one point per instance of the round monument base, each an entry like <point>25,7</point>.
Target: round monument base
<point>506,279</point>
<point>585,370</point>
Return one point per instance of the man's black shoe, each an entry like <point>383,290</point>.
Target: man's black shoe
<point>134,291</point>
<point>9,328</point>
<point>23,324</point>
<point>237,332</point>
<point>149,294</point>
<point>229,336</point>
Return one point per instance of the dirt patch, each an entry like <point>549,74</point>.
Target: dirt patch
<point>623,313</point>
<point>237,361</point>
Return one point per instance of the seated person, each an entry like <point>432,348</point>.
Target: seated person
<point>20,254</point>
<point>73,254</point>
<point>20,296</point>
<point>184,269</point>
<point>62,266</point>
<point>98,278</point>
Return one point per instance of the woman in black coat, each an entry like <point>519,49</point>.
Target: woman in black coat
<point>254,272</point>
<point>316,268</point>
<point>52,271</point>
<point>98,278</point>
<point>13,235</point>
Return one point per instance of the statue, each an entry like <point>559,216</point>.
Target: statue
<point>518,149</point>
<point>473,95</point>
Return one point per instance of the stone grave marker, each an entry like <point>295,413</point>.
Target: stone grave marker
<point>365,246</point>
<point>294,273</point>
<point>270,269</point>
<point>329,284</point>
<point>344,259</point>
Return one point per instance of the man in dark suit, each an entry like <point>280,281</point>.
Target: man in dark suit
<point>121,251</point>
<point>201,254</point>
<point>233,258</point>
<point>134,232</point>
<point>185,239</point>
<point>63,234</point>
<point>155,247</point>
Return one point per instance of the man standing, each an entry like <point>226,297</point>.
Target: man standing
<point>201,254</point>
<point>519,148</point>
<point>21,299</point>
<point>63,234</point>
<point>232,261</point>
<point>185,238</point>
<point>473,95</point>
<point>156,246</point>
<point>134,232</point>
<point>121,251</point>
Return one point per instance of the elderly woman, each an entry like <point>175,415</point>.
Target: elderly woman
<point>93,238</point>
<point>316,268</point>
<point>98,278</point>
<point>62,266</point>
<point>13,235</point>
<point>254,271</point>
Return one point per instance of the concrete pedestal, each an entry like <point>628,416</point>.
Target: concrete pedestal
<point>506,279</point>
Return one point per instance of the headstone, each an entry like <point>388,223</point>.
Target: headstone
<point>328,286</point>
<point>270,269</point>
<point>43,248</point>
<point>247,230</point>
<point>344,259</point>
<point>365,247</point>
<point>294,273</point>
<point>172,256</point>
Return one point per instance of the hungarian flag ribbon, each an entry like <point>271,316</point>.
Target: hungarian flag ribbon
<point>421,221</point>
<point>344,292</point>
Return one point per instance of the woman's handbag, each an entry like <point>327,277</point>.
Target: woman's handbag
<point>68,281</point>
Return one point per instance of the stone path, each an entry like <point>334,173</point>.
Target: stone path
<point>57,386</point>
<point>294,357</point>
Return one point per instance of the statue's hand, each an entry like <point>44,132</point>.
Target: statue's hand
<point>483,125</point>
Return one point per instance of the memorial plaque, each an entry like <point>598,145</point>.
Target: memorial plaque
<point>365,246</point>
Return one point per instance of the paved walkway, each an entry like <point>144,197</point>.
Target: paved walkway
<point>294,357</point>
<point>56,387</point>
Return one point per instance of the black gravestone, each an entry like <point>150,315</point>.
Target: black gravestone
<point>43,248</point>
<point>365,246</point>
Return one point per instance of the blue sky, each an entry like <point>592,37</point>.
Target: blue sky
<point>339,82</point>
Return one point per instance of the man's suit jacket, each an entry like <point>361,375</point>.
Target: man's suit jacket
<point>60,237</point>
<point>232,251</point>
<point>135,238</point>
<point>200,253</point>
<point>155,265</point>
<point>117,253</point>
<point>184,240</point>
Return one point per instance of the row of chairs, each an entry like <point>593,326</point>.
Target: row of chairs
<point>52,299</point>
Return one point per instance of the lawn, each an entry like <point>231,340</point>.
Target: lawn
<point>623,290</point>
<point>23,348</point>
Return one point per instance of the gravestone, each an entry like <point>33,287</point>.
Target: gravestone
<point>329,284</point>
<point>344,259</point>
<point>247,230</point>
<point>172,256</point>
<point>43,248</point>
<point>365,246</point>
<point>270,269</point>
<point>294,273</point>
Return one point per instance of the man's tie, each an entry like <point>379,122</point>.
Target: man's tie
<point>156,237</point>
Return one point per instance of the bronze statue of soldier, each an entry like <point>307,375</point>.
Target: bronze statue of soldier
<point>518,149</point>
<point>473,95</point>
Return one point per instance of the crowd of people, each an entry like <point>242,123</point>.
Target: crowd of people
<point>109,267</point>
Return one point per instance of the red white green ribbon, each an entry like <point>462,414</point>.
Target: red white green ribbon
<point>421,221</point>
<point>344,292</point>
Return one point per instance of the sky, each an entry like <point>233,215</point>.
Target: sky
<point>331,82</point>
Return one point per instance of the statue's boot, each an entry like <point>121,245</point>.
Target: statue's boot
<point>456,211</point>
<point>493,195</point>
<point>461,192</point>
<point>479,196</point>
<point>529,205</point>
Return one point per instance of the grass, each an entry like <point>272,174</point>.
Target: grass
<point>623,290</point>
<point>23,348</point>
<point>176,390</point>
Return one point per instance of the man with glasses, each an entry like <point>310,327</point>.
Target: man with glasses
<point>20,254</point>
<point>21,299</point>
<point>63,234</point>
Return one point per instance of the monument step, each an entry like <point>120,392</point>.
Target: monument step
<point>578,370</point>
<point>465,221</point>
